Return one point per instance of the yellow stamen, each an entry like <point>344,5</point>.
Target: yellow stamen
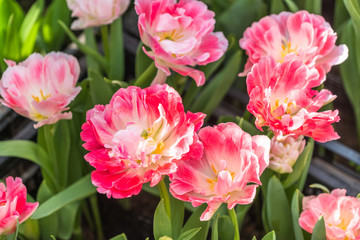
<point>42,97</point>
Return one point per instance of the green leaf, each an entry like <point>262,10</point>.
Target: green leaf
<point>28,46</point>
<point>189,234</point>
<point>26,150</point>
<point>178,210</point>
<point>295,214</point>
<point>67,217</point>
<point>215,228</point>
<point>8,8</point>
<point>77,191</point>
<point>53,35</point>
<point>30,20</point>
<point>225,231</point>
<point>320,186</point>
<point>101,92</point>
<point>194,222</point>
<point>241,211</point>
<point>300,165</point>
<point>319,232</point>
<point>12,41</point>
<point>91,63</point>
<point>270,236</point>
<point>116,57</point>
<point>48,225</point>
<point>313,6</point>
<point>292,5</point>
<point>142,61</point>
<point>341,15</point>
<point>162,224</point>
<point>278,210</point>
<point>277,6</point>
<point>119,237</point>
<point>248,127</point>
<point>245,12</point>
<point>87,50</point>
<point>62,142</point>
<point>217,88</point>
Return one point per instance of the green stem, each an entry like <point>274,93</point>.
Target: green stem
<point>105,40</point>
<point>165,195</point>
<point>3,237</point>
<point>49,138</point>
<point>146,78</point>
<point>95,209</point>
<point>234,220</point>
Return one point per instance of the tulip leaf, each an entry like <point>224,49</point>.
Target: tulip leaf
<point>341,15</point>
<point>295,214</point>
<point>300,167</point>
<point>62,142</point>
<point>189,234</point>
<point>119,237</point>
<point>79,190</point>
<point>217,88</point>
<point>225,232</point>
<point>142,61</point>
<point>101,92</point>
<point>178,210</point>
<point>30,19</point>
<point>67,217</point>
<point>48,225</point>
<point>116,57</point>
<point>215,228</point>
<point>53,35</point>
<point>278,210</point>
<point>291,5</point>
<point>248,127</point>
<point>319,232</point>
<point>194,222</point>
<point>27,150</point>
<point>12,41</point>
<point>162,224</point>
<point>277,6</point>
<point>270,236</point>
<point>245,12</point>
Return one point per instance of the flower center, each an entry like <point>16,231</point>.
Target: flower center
<point>153,134</point>
<point>42,97</point>
<point>287,49</point>
<point>170,35</point>
<point>289,107</point>
<point>214,180</point>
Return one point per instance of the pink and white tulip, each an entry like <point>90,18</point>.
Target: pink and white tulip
<point>283,154</point>
<point>40,88</point>
<point>231,160</point>
<point>341,214</point>
<point>281,97</point>
<point>92,13</point>
<point>301,35</point>
<point>139,137</point>
<point>13,205</point>
<point>180,36</point>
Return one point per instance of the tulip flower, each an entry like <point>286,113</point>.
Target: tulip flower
<point>180,36</point>
<point>286,36</point>
<point>341,214</point>
<point>91,13</point>
<point>41,88</point>
<point>13,205</point>
<point>232,160</point>
<point>139,137</point>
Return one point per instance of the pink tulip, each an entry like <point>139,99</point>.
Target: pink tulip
<point>341,214</point>
<point>283,154</point>
<point>40,88</point>
<point>301,35</point>
<point>139,137</point>
<point>92,13</point>
<point>13,205</point>
<point>231,160</point>
<point>179,35</point>
<point>281,97</point>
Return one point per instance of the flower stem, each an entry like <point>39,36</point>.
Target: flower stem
<point>234,220</point>
<point>165,195</point>
<point>96,212</point>
<point>145,79</point>
<point>105,40</point>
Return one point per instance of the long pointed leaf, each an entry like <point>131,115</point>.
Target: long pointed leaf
<point>77,191</point>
